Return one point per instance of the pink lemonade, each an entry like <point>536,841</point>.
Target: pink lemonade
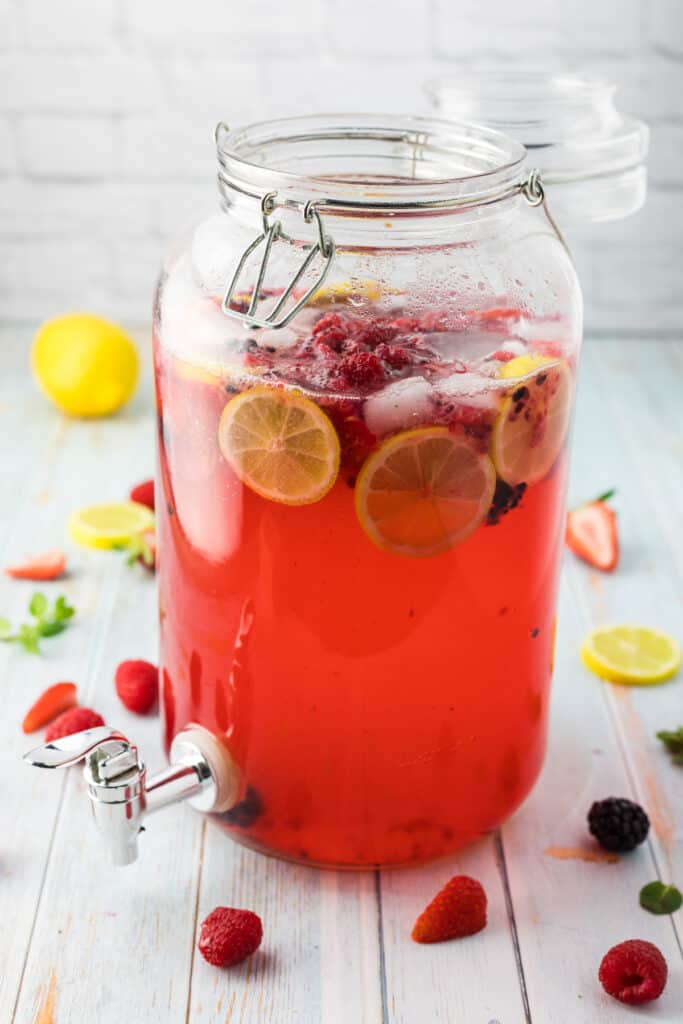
<point>377,660</point>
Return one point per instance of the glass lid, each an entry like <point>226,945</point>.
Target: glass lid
<point>590,155</point>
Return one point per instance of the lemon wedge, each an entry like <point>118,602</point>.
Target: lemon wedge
<point>107,526</point>
<point>280,444</point>
<point>423,491</point>
<point>634,655</point>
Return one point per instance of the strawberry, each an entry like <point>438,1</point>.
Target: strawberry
<point>458,910</point>
<point>73,720</point>
<point>52,702</point>
<point>229,936</point>
<point>137,684</point>
<point>148,555</point>
<point>143,493</point>
<point>43,567</point>
<point>592,533</point>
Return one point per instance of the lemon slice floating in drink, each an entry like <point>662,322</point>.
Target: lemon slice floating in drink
<point>106,526</point>
<point>280,444</point>
<point>634,655</point>
<point>423,491</point>
<point>534,419</point>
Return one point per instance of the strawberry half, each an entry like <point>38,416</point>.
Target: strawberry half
<point>52,702</point>
<point>592,534</point>
<point>458,910</point>
<point>43,567</point>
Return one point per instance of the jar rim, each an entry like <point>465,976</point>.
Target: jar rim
<point>425,162</point>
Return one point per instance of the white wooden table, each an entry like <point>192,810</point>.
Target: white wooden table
<point>81,942</point>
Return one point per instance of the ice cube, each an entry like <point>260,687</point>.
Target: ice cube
<point>472,389</point>
<point>280,339</point>
<point>213,253</point>
<point>404,404</point>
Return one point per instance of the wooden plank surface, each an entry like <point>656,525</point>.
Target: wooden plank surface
<point>81,942</point>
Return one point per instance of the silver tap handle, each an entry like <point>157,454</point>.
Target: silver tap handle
<point>68,750</point>
<point>121,795</point>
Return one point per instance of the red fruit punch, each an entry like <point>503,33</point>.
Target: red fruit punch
<point>52,702</point>
<point>48,566</point>
<point>592,535</point>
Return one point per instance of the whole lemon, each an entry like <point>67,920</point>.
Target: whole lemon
<point>85,365</point>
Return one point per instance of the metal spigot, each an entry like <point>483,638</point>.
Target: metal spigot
<point>201,772</point>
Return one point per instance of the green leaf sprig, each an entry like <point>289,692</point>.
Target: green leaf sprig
<point>673,741</point>
<point>137,549</point>
<point>48,620</point>
<point>660,899</point>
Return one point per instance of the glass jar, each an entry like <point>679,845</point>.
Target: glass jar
<point>591,156</point>
<point>365,369</point>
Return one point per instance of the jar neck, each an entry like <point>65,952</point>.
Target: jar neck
<point>369,178</point>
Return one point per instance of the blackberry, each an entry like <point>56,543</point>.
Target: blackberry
<point>505,499</point>
<point>246,812</point>
<point>619,825</point>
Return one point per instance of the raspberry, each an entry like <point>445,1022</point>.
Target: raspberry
<point>144,494</point>
<point>373,334</point>
<point>619,825</point>
<point>394,355</point>
<point>406,324</point>
<point>459,909</point>
<point>73,720</point>
<point>363,369</point>
<point>137,684</point>
<point>229,936</point>
<point>330,331</point>
<point>633,972</point>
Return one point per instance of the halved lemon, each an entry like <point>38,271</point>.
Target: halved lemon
<point>106,526</point>
<point>636,655</point>
<point>534,419</point>
<point>423,491</point>
<point>280,444</point>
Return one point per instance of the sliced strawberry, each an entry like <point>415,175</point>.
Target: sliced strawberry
<point>43,567</point>
<point>51,703</point>
<point>592,535</point>
<point>143,493</point>
<point>148,555</point>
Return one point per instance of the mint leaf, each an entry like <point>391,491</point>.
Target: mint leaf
<point>28,638</point>
<point>49,622</point>
<point>38,605</point>
<point>660,899</point>
<point>673,741</point>
<point>50,628</point>
<point>63,609</point>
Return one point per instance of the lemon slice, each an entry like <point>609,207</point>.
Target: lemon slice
<point>344,290</point>
<point>106,526</point>
<point>533,422</point>
<point>280,444</point>
<point>423,491</point>
<point>636,655</point>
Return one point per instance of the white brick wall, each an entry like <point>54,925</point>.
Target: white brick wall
<point>107,109</point>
